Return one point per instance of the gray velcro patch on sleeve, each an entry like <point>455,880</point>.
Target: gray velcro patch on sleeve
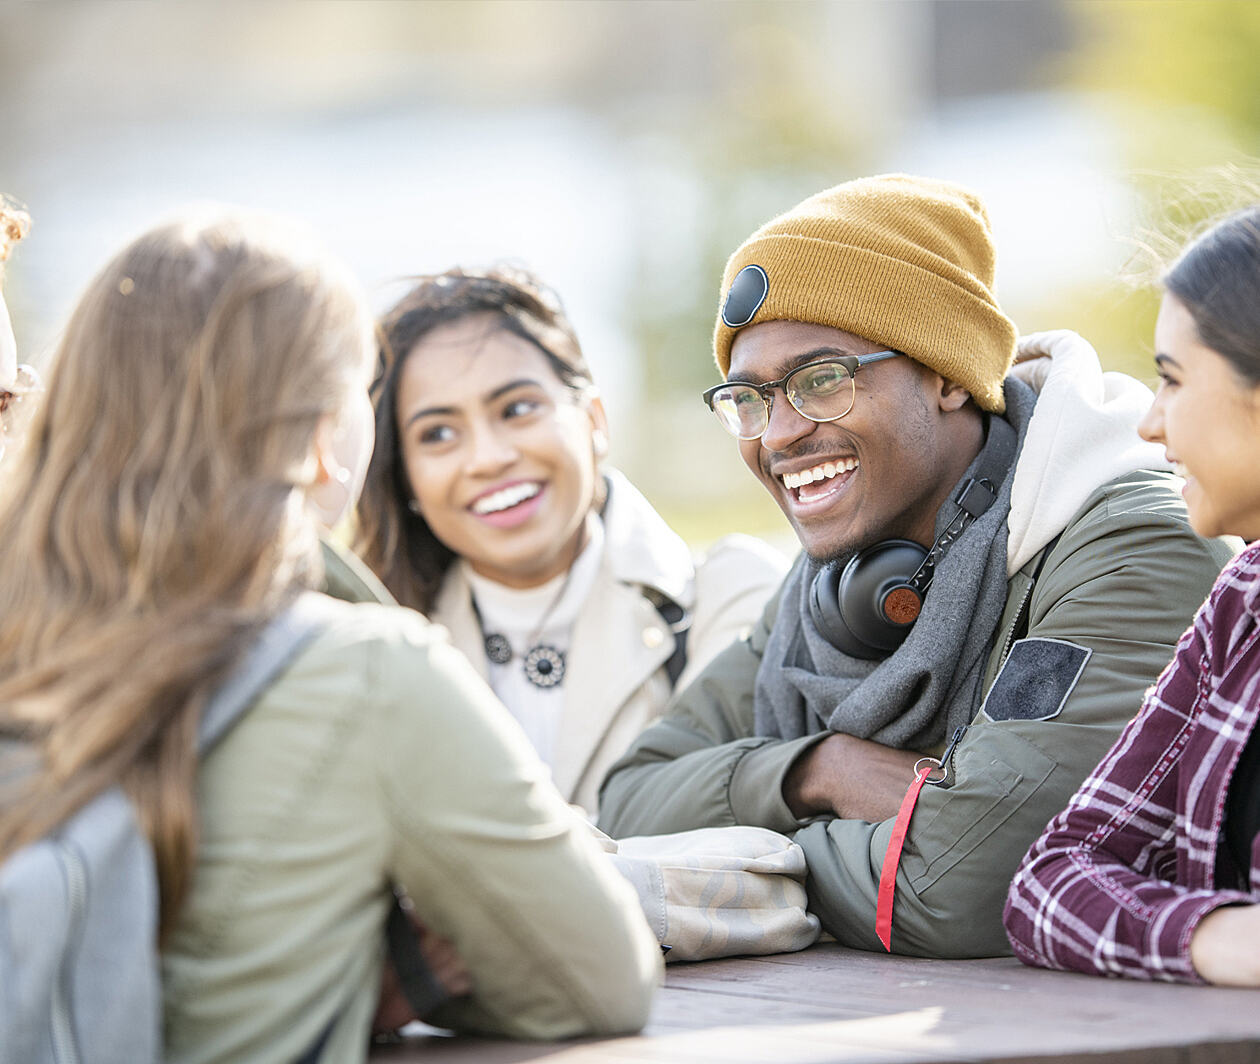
<point>1035,680</point>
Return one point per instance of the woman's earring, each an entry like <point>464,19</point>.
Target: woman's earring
<point>342,476</point>
<point>414,506</point>
<point>599,440</point>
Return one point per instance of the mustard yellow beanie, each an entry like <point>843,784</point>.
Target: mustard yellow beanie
<point>902,261</point>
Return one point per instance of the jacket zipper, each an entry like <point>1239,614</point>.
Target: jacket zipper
<point>1046,551</point>
<point>1010,632</point>
<point>947,758</point>
<point>62,1029</point>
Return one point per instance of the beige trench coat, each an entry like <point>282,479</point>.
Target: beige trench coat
<point>616,683</point>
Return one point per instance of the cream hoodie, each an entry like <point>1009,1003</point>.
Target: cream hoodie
<point>1083,434</point>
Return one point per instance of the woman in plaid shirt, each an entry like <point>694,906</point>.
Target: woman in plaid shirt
<point>1153,871</point>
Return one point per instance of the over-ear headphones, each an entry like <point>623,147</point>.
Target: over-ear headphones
<point>866,607</point>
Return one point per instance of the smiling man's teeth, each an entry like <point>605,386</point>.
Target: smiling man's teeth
<point>1181,471</point>
<point>820,472</point>
<point>505,499</point>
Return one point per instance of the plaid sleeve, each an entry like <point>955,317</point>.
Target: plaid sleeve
<point>1094,893</point>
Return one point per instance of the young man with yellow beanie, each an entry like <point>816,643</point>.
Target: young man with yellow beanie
<point>994,568</point>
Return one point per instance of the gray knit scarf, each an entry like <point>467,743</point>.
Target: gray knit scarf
<point>931,683</point>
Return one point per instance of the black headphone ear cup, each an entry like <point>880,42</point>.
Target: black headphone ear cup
<point>848,605</point>
<point>824,608</point>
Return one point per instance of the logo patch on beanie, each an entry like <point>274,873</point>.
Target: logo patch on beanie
<point>745,296</point>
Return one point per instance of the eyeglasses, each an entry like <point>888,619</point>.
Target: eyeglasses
<point>820,391</point>
<point>27,383</point>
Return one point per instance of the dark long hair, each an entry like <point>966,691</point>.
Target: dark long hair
<point>1217,279</point>
<point>395,542</point>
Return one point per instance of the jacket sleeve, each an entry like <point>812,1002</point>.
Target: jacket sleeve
<point>553,937</point>
<point>1094,894</point>
<point>700,765</point>
<point>1121,585</point>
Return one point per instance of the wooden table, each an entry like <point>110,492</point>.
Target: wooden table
<point>829,1004</point>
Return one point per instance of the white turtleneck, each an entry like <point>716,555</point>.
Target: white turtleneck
<point>528,617</point>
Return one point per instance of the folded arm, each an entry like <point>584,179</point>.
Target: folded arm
<point>1123,583</point>
<point>553,939</point>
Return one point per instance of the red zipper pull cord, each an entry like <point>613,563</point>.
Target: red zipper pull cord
<point>892,856</point>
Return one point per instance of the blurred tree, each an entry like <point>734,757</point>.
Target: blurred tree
<point>780,118</point>
<point>1182,83</point>
<point>774,128</point>
<point>1200,54</point>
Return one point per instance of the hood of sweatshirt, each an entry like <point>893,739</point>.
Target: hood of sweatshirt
<point>1083,434</point>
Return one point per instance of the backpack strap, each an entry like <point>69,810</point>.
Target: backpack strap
<point>275,649</point>
<point>271,653</point>
<point>678,621</point>
<point>316,1050</point>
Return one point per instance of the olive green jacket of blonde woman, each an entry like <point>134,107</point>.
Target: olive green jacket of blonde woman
<point>379,756</point>
<point>616,683</point>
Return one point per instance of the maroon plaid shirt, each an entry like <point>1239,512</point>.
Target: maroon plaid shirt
<point>1119,880</point>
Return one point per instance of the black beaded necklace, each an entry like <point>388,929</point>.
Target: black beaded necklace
<point>544,664</point>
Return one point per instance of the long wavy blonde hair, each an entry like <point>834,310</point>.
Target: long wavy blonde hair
<point>156,518</point>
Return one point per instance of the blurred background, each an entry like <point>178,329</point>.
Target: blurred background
<point>623,148</point>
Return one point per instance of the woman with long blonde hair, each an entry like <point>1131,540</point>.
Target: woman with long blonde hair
<point>207,413</point>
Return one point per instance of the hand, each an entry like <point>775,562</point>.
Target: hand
<point>1225,947</point>
<point>851,778</point>
<point>393,1010</point>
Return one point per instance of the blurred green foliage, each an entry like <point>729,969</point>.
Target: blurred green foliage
<point>771,132</point>
<point>1165,55</point>
<point>767,136</point>
<point>1180,80</point>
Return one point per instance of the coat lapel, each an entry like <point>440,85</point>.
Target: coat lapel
<point>619,641</point>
